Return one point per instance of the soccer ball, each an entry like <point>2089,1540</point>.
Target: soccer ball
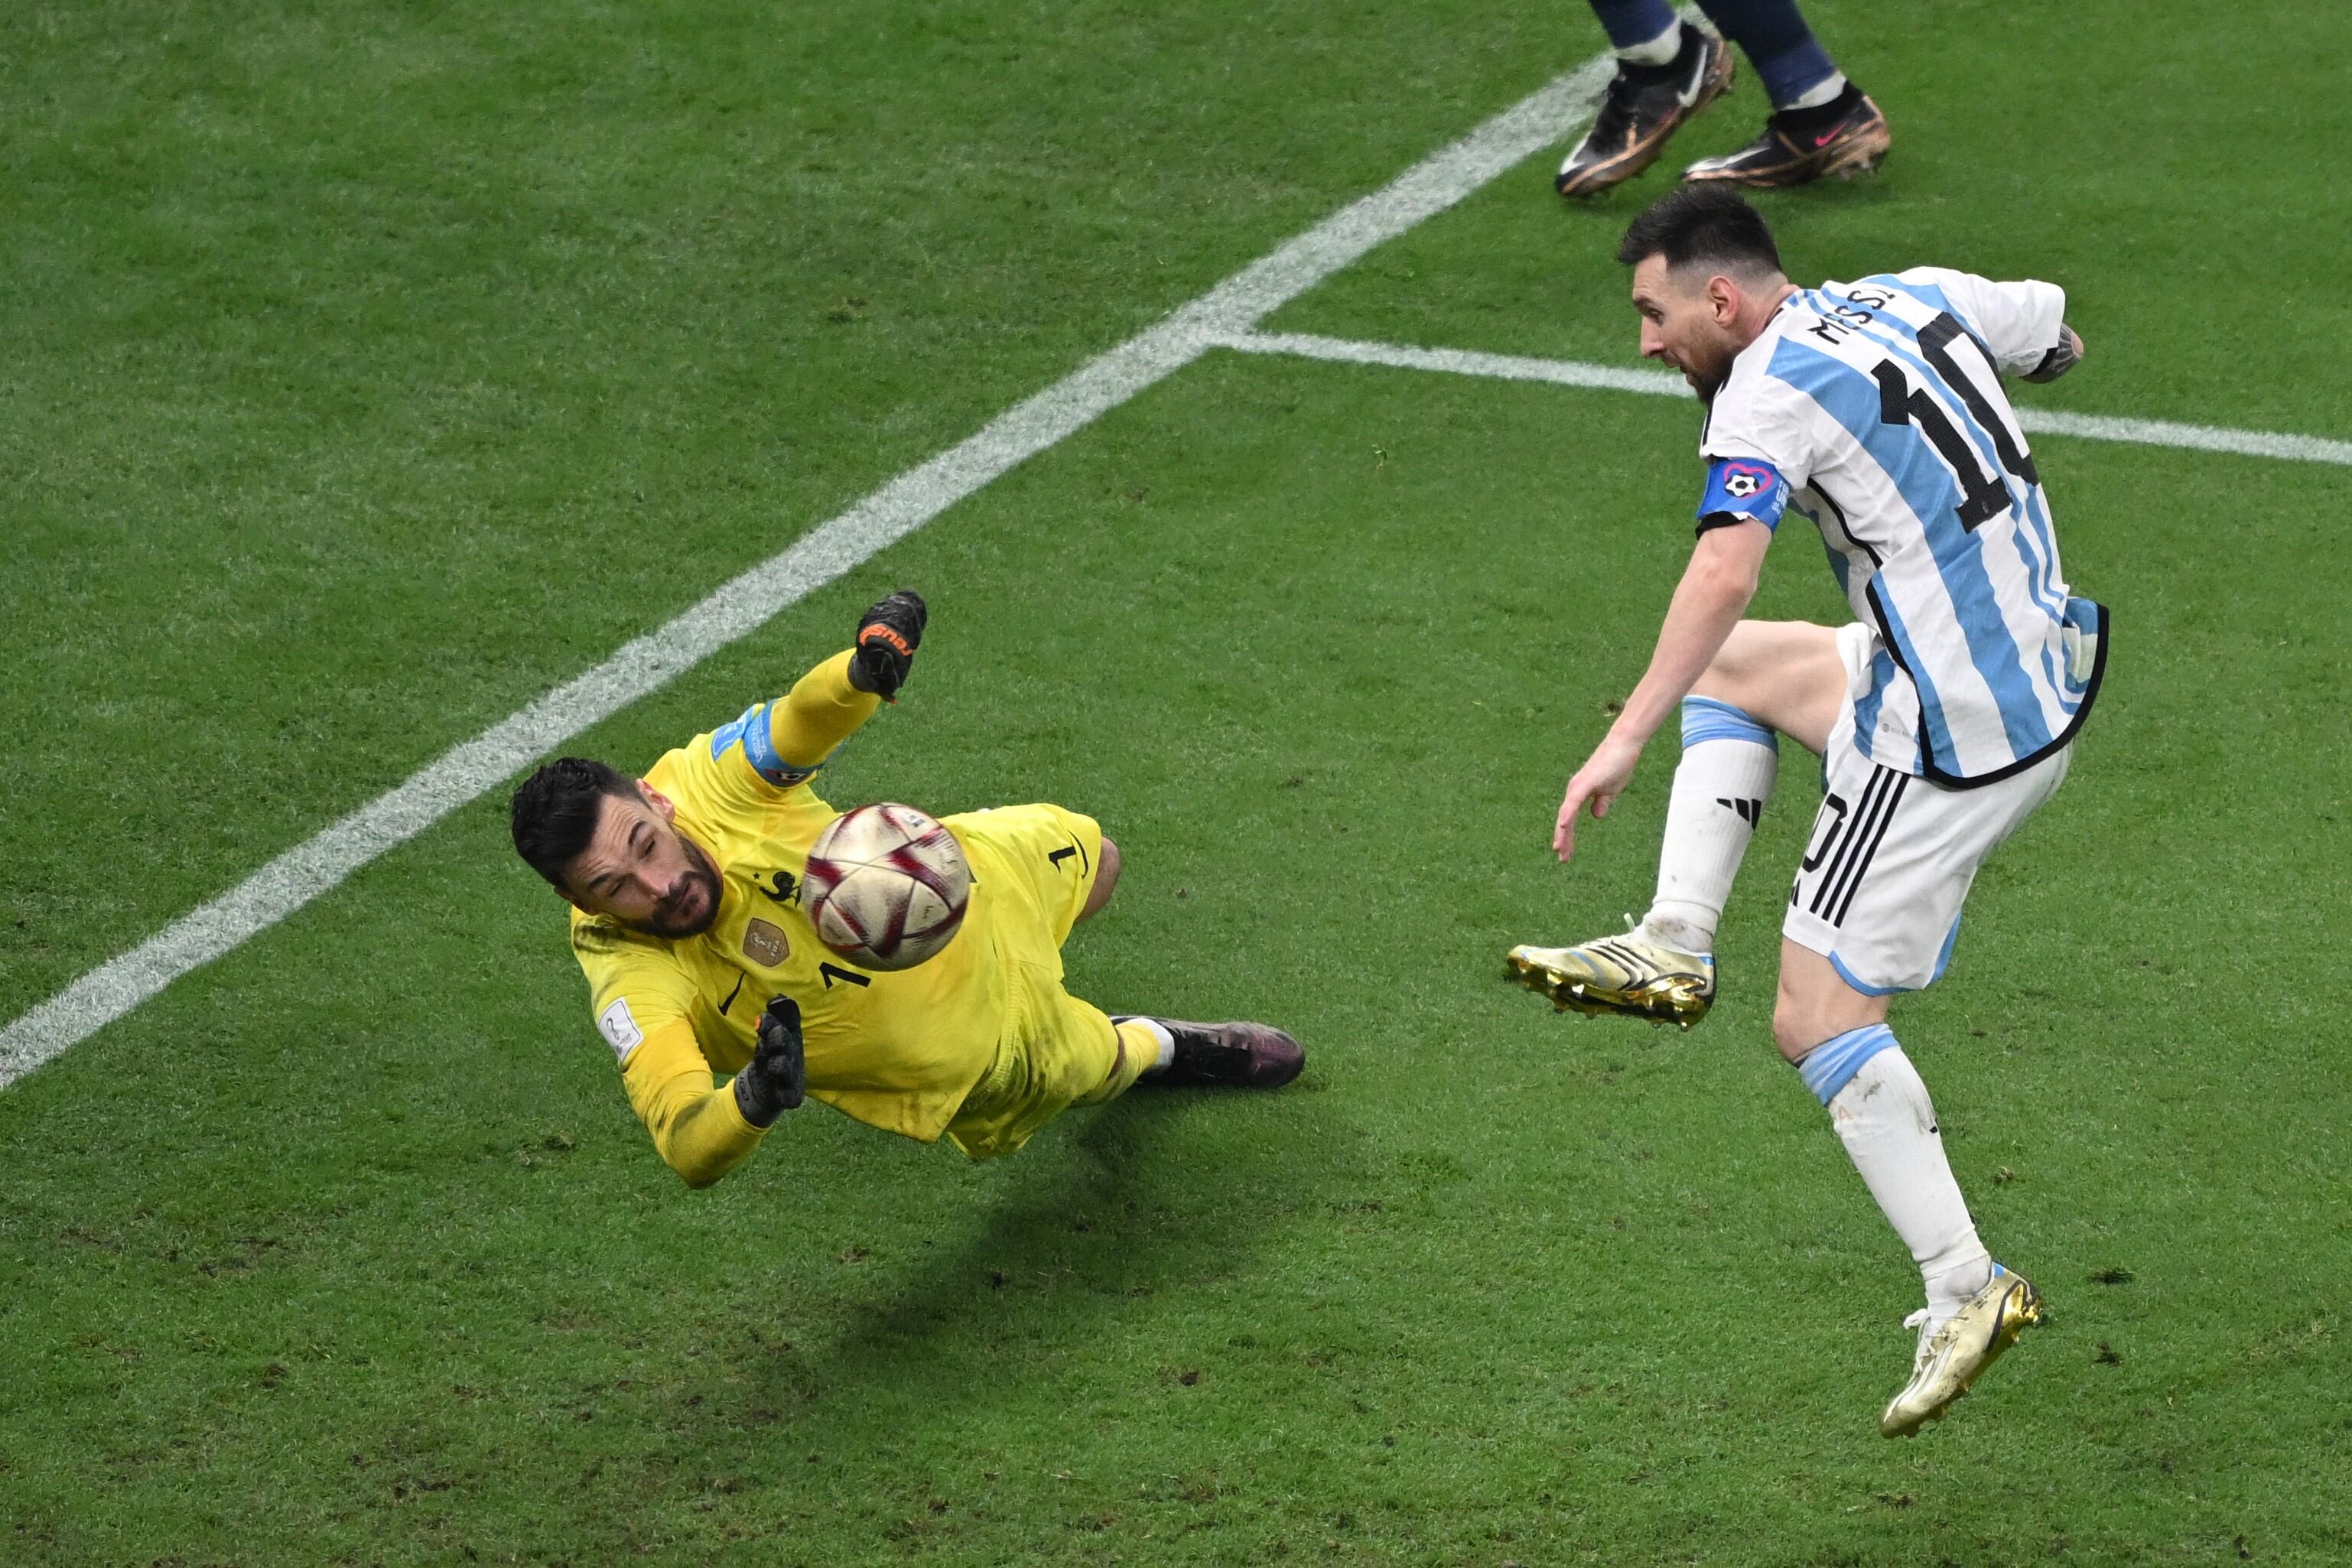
<point>887,886</point>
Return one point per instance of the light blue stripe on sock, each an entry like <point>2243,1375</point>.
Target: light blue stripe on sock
<point>1830,1066</point>
<point>1705,719</point>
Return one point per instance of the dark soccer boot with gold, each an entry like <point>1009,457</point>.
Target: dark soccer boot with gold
<point>1239,1056</point>
<point>1646,105</point>
<point>1844,137</point>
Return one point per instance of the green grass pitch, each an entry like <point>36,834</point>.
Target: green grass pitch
<point>370,370</point>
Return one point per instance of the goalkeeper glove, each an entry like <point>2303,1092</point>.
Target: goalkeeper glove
<point>777,1077</point>
<point>887,636</point>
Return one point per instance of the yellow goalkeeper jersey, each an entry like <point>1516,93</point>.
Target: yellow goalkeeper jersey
<point>897,1050</point>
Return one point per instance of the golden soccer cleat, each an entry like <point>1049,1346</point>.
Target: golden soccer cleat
<point>1956,1354</point>
<point>1620,974</point>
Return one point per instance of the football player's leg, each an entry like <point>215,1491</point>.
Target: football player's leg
<point>1770,675</point>
<point>1876,911</point>
<point>1666,71</point>
<point>1136,1048</point>
<point>1048,857</point>
<point>1643,32</point>
<point>1821,124</point>
<point>1788,676</point>
<point>1061,1053</point>
<point>1797,72</point>
<point>1783,677</point>
<point>1838,1040</point>
<point>1106,866</point>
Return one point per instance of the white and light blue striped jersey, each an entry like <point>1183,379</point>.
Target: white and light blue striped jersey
<point>1876,410</point>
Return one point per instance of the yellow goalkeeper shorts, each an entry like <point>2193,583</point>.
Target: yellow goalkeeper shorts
<point>1038,863</point>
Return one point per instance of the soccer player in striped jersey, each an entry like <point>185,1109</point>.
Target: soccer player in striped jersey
<point>1944,715</point>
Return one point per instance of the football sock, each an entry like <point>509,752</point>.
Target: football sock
<point>1643,32</point>
<point>1808,121</point>
<point>1773,36</point>
<point>1882,1115</point>
<point>1832,87</point>
<point>1142,1046</point>
<point>1158,1044</point>
<point>1729,763</point>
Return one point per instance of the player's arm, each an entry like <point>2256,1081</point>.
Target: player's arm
<point>704,1132</point>
<point>2060,360</point>
<point>2022,323</point>
<point>1713,592</point>
<point>828,703</point>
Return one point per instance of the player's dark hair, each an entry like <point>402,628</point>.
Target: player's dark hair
<point>554,812</point>
<point>1703,223</point>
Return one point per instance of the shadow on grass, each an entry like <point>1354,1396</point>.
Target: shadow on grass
<point>1138,1200</point>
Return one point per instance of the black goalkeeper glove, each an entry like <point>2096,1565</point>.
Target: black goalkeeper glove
<point>777,1078</point>
<point>887,636</point>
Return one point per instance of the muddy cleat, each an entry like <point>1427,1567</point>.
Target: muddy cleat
<point>1243,1056</point>
<point>1621,975</point>
<point>1846,138</point>
<point>1955,1354</point>
<point>1646,105</point>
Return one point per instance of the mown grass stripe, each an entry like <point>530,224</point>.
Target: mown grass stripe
<point>751,599</point>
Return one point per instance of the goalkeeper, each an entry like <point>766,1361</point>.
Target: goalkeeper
<point>686,920</point>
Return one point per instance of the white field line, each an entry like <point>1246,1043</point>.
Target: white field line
<point>1620,378</point>
<point>742,605</point>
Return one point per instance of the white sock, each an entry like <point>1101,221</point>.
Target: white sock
<point>1659,51</point>
<point>1815,96</point>
<point>1882,1115</point>
<point>1729,763</point>
<point>1158,1032</point>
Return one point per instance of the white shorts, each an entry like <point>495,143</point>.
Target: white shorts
<point>1892,855</point>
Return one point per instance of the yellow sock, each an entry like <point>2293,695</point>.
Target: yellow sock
<point>1138,1053</point>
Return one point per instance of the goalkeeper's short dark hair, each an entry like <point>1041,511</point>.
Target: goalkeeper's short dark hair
<point>553,813</point>
<point>1703,223</point>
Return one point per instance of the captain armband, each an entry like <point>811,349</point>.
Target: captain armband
<point>753,732</point>
<point>1742,490</point>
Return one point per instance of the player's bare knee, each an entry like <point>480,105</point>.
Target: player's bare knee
<point>1816,1004</point>
<point>1727,675</point>
<point>1793,1029</point>
<point>1747,670</point>
<point>1106,879</point>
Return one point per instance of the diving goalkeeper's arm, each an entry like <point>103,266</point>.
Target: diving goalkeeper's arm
<point>833,699</point>
<point>704,1132</point>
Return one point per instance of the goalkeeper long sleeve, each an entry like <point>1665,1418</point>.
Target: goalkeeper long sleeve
<point>700,1130</point>
<point>819,713</point>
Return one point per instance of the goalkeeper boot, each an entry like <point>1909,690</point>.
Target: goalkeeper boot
<point>1845,137</point>
<point>1625,974</point>
<point>1240,1055</point>
<point>1646,105</point>
<point>1954,1353</point>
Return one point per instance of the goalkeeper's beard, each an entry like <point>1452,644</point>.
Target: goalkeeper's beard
<point>691,905</point>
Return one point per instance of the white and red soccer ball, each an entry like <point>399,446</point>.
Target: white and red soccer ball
<point>887,886</point>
